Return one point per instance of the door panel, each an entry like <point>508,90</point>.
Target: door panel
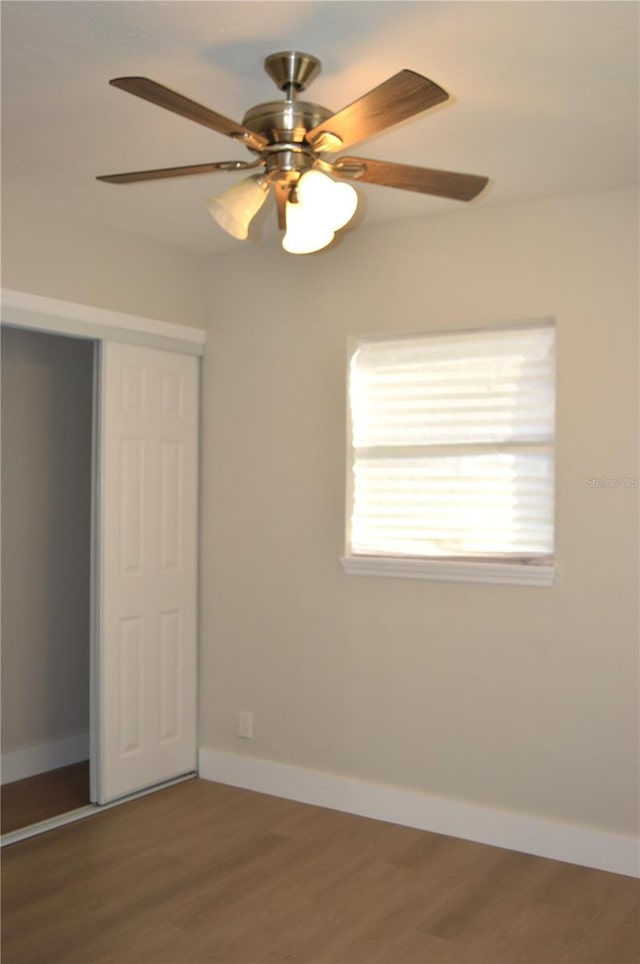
<point>148,535</point>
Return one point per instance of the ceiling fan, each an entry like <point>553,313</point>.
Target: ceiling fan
<point>291,140</point>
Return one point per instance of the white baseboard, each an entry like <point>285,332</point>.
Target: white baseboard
<point>572,843</point>
<point>42,757</point>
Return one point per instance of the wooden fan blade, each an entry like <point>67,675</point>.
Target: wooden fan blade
<point>460,187</point>
<point>163,97</point>
<point>174,172</point>
<point>396,99</point>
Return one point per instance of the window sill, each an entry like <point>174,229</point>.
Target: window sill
<point>446,570</point>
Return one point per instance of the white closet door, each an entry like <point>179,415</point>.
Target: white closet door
<point>147,647</point>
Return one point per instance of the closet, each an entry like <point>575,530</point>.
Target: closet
<point>47,397</point>
<point>110,596</point>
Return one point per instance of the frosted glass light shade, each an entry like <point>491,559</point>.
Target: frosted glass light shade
<point>323,207</point>
<point>305,232</point>
<point>315,188</point>
<point>235,209</point>
<point>334,202</point>
<point>344,204</point>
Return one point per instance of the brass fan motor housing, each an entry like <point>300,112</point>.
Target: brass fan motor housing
<point>284,124</point>
<point>285,121</point>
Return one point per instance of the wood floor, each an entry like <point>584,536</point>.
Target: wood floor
<point>45,795</point>
<point>201,872</point>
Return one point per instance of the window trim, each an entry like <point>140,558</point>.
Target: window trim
<point>520,573</point>
<point>515,571</point>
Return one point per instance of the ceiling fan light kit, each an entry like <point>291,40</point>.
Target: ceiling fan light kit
<point>291,140</point>
<point>316,209</point>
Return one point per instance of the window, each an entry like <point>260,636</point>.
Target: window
<point>451,455</point>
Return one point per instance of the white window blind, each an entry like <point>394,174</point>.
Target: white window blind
<point>452,447</point>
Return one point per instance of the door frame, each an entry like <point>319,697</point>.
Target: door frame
<point>21,309</point>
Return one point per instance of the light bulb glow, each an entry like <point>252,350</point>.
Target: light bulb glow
<point>315,188</point>
<point>305,232</point>
<point>236,207</point>
<point>322,208</point>
<point>333,202</point>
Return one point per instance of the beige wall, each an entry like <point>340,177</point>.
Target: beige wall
<point>46,489</point>
<point>47,251</point>
<point>520,697</point>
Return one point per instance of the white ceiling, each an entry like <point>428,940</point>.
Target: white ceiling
<point>544,98</point>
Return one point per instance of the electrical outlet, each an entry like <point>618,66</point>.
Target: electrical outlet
<point>245,724</point>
